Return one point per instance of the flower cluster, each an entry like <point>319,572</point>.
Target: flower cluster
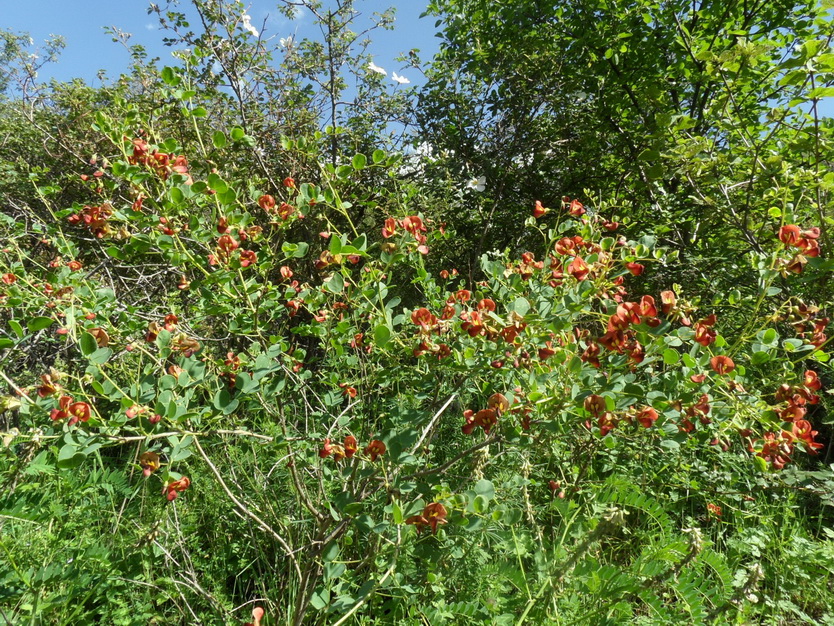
<point>485,418</point>
<point>69,408</point>
<point>374,449</point>
<point>412,225</point>
<point>161,162</point>
<point>94,218</point>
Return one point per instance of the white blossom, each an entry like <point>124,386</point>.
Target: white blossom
<point>376,68</point>
<point>286,42</point>
<point>402,80</point>
<point>477,184</point>
<point>247,25</point>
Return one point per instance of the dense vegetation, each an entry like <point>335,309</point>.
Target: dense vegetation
<point>544,340</point>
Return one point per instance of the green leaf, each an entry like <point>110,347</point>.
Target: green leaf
<point>237,133</point>
<point>378,156</point>
<point>359,161</point>
<point>39,323</point>
<point>199,112</point>
<point>521,306</point>
<point>100,356</point>
<point>335,284</point>
<point>397,512</point>
<point>382,335</point>
<point>87,343</point>
<point>219,139</point>
<point>169,77</point>
<point>335,245</point>
<point>69,456</point>
<point>671,356</point>
<point>17,329</point>
<point>223,401</point>
<point>484,488</point>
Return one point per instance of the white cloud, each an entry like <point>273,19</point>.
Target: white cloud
<point>402,80</point>
<point>150,26</point>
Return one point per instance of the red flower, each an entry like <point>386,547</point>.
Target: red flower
<point>375,449</point>
<point>286,272</point>
<point>714,509</point>
<point>61,412</point>
<point>75,411</point>
<point>722,364</point>
<point>578,268</point>
<point>351,446</point>
<point>486,419</point>
<point>790,234</point>
<point>539,210</point>
<point>174,488</point>
<point>595,405</point>
<point>668,301</point>
<point>647,416</point>
<point>9,279</point>
<point>812,381</point>
<point>267,203</point>
<point>635,268</point>
<point>576,209</point>
<point>48,386</point>
<point>433,515</point>
<point>423,318</point>
<point>499,403</point>
<point>390,228</point>
<point>326,449</point>
<point>149,462</point>
<point>289,182</point>
<point>285,210</point>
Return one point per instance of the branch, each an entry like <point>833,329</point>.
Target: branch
<point>247,512</point>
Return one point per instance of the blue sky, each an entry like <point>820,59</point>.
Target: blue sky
<point>90,49</point>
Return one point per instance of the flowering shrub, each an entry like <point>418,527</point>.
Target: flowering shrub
<point>388,396</point>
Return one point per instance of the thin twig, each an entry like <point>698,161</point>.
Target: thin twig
<point>246,511</point>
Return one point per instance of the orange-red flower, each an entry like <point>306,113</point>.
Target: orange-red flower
<point>266,202</point>
<point>174,488</point>
<point>285,211</point>
<point>722,364</point>
<point>539,210</point>
<point>433,515</point>
<point>647,416</point>
<point>576,209</point>
<point>578,268</point>
<point>149,462</point>
<point>635,268</point>
<point>326,449</point>
<point>375,449</point>
<point>48,386</point>
<point>390,228</point>
<point>812,381</point>
<point>351,446</point>
<point>247,258</point>
<point>289,182</point>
